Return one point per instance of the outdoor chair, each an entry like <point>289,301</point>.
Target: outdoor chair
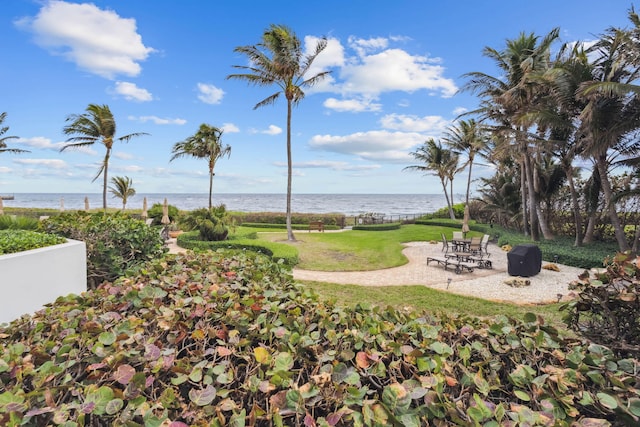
<point>484,243</point>
<point>446,245</point>
<point>458,235</point>
<point>474,246</point>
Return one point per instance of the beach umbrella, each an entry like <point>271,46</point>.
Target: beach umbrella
<point>86,203</point>
<point>1,207</point>
<point>165,212</point>
<point>465,220</point>
<point>144,213</point>
<point>61,204</point>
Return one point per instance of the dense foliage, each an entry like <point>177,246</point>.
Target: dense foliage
<point>155,213</point>
<point>212,224</point>
<point>221,340</point>
<point>329,219</point>
<point>607,308</point>
<point>11,222</point>
<point>377,227</point>
<point>115,242</point>
<point>283,226</point>
<point>12,241</point>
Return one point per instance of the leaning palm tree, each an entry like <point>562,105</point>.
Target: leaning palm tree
<point>205,144</point>
<point>4,139</point>
<point>96,125</point>
<point>278,60</point>
<point>122,189</point>
<point>438,161</point>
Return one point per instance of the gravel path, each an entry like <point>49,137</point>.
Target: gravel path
<point>545,287</point>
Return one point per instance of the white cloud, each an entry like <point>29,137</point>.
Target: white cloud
<point>97,40</point>
<point>352,105</point>
<point>4,169</point>
<point>127,169</point>
<point>331,56</point>
<point>123,156</point>
<point>372,145</point>
<point>49,163</point>
<point>272,130</point>
<point>230,128</point>
<point>410,123</point>
<point>158,120</point>
<point>362,46</point>
<point>209,94</point>
<point>459,110</point>
<point>131,92</point>
<point>42,143</point>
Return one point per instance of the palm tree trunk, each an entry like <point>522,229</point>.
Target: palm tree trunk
<point>523,200</point>
<point>451,213</point>
<point>210,186</point>
<point>577,218</point>
<point>446,196</point>
<point>601,163</point>
<point>533,205</point>
<point>290,235</point>
<point>105,179</point>
<point>466,201</point>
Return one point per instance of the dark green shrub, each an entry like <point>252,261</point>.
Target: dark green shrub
<point>284,226</point>
<point>329,219</point>
<point>378,227</point>
<point>279,252</point>
<point>115,242</point>
<point>12,241</point>
<point>212,224</point>
<point>9,222</point>
<point>155,213</point>
<point>219,339</point>
<point>607,308</point>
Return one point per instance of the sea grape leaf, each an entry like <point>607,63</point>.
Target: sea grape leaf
<point>262,355</point>
<point>124,374</point>
<point>396,397</point>
<point>114,406</point>
<point>283,362</point>
<point>107,338</point>
<point>202,397</point>
<point>607,400</point>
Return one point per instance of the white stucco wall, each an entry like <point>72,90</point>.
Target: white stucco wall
<point>33,278</point>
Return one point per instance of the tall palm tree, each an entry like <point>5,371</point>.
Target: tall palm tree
<point>4,139</point>
<point>278,60</point>
<point>467,136</point>
<point>438,161</point>
<point>96,125</point>
<point>122,189</point>
<point>204,144</point>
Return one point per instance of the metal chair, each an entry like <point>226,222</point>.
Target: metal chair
<point>484,243</point>
<point>474,246</point>
<point>446,245</point>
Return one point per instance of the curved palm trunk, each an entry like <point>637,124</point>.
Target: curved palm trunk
<point>290,235</point>
<point>577,218</point>
<point>601,163</point>
<point>533,205</point>
<point>446,196</point>
<point>523,200</point>
<point>210,186</point>
<point>451,213</point>
<point>105,179</point>
<point>469,181</point>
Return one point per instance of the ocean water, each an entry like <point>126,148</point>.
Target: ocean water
<point>390,205</point>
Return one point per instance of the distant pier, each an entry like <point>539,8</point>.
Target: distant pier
<point>6,197</point>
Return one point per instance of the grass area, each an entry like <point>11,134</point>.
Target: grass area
<point>422,298</point>
<point>357,250</point>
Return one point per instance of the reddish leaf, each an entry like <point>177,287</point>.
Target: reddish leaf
<point>124,374</point>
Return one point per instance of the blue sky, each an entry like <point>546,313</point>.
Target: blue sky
<point>161,66</point>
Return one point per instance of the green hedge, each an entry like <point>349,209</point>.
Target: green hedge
<point>334,219</point>
<point>277,251</point>
<point>378,227</point>
<point>284,226</point>
<point>12,241</point>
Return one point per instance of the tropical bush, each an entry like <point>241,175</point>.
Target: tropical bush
<point>10,222</point>
<point>212,224</point>
<point>329,219</point>
<point>155,213</point>
<point>607,307</point>
<point>230,340</point>
<point>284,226</point>
<point>279,252</point>
<point>378,227</point>
<point>115,242</point>
<point>12,241</point>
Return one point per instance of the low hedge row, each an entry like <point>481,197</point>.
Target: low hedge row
<point>336,219</point>
<point>378,227</point>
<point>277,251</point>
<point>284,226</point>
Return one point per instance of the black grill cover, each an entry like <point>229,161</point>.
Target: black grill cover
<point>524,260</point>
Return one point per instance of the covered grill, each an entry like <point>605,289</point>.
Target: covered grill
<point>524,260</point>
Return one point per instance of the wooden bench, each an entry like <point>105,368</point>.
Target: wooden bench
<point>316,225</point>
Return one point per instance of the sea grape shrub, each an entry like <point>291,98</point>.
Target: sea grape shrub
<point>607,307</point>
<point>155,213</point>
<point>211,338</point>
<point>115,242</point>
<point>211,224</point>
<point>12,241</point>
